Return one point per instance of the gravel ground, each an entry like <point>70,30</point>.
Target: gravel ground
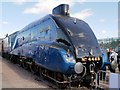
<point>13,76</point>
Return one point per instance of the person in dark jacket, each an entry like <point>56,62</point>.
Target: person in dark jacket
<point>105,62</point>
<point>113,60</point>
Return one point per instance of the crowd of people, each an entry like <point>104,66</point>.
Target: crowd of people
<point>114,59</point>
<point>110,59</point>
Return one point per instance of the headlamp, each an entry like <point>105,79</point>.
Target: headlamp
<point>69,58</point>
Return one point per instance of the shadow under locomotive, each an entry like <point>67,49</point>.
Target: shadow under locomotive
<point>57,46</point>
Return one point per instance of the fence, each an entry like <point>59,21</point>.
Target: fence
<point>102,79</point>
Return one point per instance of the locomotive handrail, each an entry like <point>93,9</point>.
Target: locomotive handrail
<point>102,79</point>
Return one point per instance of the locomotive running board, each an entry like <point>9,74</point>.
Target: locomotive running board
<point>29,63</point>
<point>64,82</point>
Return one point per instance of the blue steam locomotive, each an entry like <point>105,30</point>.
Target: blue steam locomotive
<point>57,46</point>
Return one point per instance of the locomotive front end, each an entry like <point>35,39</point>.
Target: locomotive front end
<point>86,49</point>
<point>81,43</point>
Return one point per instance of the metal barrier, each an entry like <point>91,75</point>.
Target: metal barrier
<point>102,79</point>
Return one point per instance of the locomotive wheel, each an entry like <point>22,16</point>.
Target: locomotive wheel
<point>41,73</point>
<point>25,65</point>
<point>34,68</point>
<point>12,59</point>
<point>19,61</point>
<point>59,77</point>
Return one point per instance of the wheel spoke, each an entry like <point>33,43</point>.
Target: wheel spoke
<point>25,65</point>
<point>41,72</point>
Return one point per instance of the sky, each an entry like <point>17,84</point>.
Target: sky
<point>102,16</point>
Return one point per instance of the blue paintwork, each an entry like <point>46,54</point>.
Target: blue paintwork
<point>45,53</point>
<point>46,56</point>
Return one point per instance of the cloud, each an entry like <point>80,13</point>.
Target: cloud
<point>102,20</point>
<point>104,32</point>
<point>4,22</point>
<point>45,6</point>
<point>83,14</point>
<point>19,2</point>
